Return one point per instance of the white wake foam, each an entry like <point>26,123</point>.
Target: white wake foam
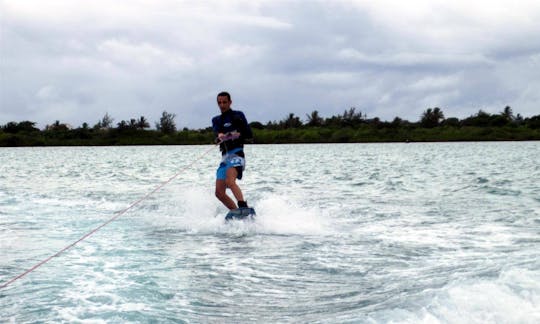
<point>512,297</point>
<point>197,210</point>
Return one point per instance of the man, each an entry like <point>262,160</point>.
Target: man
<point>231,130</point>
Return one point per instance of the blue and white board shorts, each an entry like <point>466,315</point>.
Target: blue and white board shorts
<point>231,160</point>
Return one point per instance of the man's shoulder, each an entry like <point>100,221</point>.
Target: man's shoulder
<point>238,113</point>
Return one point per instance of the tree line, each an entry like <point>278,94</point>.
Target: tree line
<point>350,126</point>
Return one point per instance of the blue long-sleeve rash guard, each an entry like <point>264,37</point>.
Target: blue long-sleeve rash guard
<point>230,121</point>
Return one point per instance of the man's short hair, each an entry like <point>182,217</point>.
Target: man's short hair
<point>224,94</point>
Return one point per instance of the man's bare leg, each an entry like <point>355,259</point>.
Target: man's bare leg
<point>222,195</point>
<point>230,182</point>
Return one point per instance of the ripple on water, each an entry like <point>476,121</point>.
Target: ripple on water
<point>397,233</point>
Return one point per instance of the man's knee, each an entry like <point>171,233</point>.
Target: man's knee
<point>220,189</point>
<point>220,193</point>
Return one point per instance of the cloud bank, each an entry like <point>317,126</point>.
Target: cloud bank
<point>75,61</point>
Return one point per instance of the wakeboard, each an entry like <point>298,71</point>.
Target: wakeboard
<point>240,214</point>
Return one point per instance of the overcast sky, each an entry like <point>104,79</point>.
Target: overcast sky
<point>74,61</point>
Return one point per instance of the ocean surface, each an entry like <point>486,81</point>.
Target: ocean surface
<point>351,233</point>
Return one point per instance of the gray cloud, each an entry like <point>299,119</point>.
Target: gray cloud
<point>76,61</point>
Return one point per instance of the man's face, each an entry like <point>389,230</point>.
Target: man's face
<point>224,103</point>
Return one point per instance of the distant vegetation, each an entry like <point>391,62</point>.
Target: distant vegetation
<point>349,127</point>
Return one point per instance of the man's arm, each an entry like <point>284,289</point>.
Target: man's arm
<point>215,127</point>
<point>246,130</point>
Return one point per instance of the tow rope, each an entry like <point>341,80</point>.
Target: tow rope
<point>118,214</point>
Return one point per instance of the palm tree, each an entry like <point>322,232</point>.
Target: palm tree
<point>291,121</point>
<point>142,123</point>
<point>314,119</point>
<point>507,113</point>
<point>432,117</point>
<point>351,117</point>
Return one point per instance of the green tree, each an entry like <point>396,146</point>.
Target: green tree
<point>256,125</point>
<point>518,119</point>
<point>142,123</point>
<point>166,123</point>
<point>291,121</point>
<point>533,122</point>
<point>351,117</point>
<point>508,114</point>
<point>105,123</point>
<point>452,121</point>
<point>57,127</point>
<point>432,117</point>
<point>314,119</point>
<point>481,118</point>
<point>11,127</point>
<point>24,126</point>
<point>396,122</point>
<point>122,125</point>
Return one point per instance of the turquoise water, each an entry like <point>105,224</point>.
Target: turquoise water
<point>375,233</point>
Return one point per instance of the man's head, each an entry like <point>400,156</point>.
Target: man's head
<point>224,101</point>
